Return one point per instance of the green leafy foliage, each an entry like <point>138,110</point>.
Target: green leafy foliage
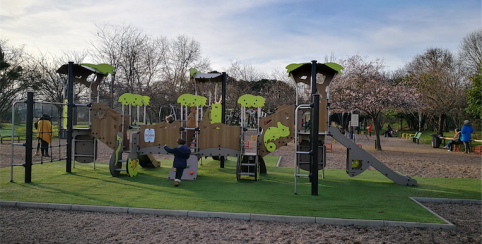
<point>474,96</point>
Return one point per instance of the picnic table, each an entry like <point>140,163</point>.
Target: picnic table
<point>451,138</point>
<point>445,138</point>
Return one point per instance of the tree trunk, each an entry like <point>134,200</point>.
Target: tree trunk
<point>376,123</point>
<point>441,124</point>
<point>422,123</point>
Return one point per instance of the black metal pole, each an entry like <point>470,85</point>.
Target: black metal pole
<point>223,99</point>
<point>315,110</point>
<point>223,110</point>
<point>28,142</point>
<point>70,107</point>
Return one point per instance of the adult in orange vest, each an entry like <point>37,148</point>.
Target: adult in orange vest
<point>44,133</point>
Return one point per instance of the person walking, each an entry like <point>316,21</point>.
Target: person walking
<point>44,133</point>
<point>181,154</point>
<point>370,130</point>
<point>466,132</point>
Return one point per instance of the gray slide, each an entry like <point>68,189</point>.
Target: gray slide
<point>358,160</point>
<point>189,173</point>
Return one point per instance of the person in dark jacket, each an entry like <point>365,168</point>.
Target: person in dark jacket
<point>181,154</point>
<point>466,131</point>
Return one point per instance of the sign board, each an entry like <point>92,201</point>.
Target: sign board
<point>354,120</point>
<point>149,135</point>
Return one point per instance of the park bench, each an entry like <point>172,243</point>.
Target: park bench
<point>4,133</point>
<point>416,137</point>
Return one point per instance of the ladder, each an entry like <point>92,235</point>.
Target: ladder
<point>303,150</point>
<point>248,164</point>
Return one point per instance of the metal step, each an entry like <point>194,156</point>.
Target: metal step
<point>250,154</point>
<point>250,174</point>
<point>307,162</point>
<point>83,155</point>
<point>248,164</point>
<point>120,170</point>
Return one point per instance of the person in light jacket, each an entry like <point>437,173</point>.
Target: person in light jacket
<point>181,154</point>
<point>454,141</point>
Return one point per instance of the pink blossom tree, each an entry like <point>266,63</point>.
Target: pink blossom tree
<point>366,88</point>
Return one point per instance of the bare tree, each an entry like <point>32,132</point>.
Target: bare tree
<point>15,75</point>
<point>246,72</point>
<point>470,51</point>
<point>155,67</point>
<point>124,47</point>
<point>277,93</point>
<point>439,79</point>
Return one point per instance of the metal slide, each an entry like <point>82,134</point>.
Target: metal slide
<point>358,160</point>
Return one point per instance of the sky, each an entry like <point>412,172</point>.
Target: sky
<point>266,34</point>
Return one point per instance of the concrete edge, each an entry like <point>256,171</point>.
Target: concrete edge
<point>257,217</point>
<point>152,211</point>
<point>357,222</point>
<point>388,223</point>
<point>447,200</point>
<point>283,218</point>
<point>8,203</point>
<point>44,205</point>
<point>279,161</point>
<point>93,208</point>
<point>430,210</point>
<point>224,215</point>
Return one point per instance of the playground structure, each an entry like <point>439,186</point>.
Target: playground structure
<point>357,159</point>
<point>63,115</point>
<point>207,133</point>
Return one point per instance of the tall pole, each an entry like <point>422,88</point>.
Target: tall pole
<point>315,110</point>
<point>223,109</point>
<point>70,108</point>
<point>28,142</point>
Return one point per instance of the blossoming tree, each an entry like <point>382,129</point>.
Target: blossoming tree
<point>365,87</point>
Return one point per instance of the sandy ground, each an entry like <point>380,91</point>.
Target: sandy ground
<point>53,226</point>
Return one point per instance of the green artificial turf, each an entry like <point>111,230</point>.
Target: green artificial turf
<point>367,196</point>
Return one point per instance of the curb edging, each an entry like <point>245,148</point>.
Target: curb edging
<point>257,217</point>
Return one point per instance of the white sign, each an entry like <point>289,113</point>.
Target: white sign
<point>354,120</point>
<point>149,135</point>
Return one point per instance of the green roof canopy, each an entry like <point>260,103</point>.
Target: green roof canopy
<point>205,77</point>
<point>302,72</point>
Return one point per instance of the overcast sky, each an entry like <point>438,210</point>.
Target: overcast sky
<point>268,34</point>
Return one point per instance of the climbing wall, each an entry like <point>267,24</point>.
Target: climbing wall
<point>219,137</point>
<point>106,123</point>
<point>278,129</point>
<point>159,135</point>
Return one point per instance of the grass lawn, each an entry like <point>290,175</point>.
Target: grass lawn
<point>368,196</point>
